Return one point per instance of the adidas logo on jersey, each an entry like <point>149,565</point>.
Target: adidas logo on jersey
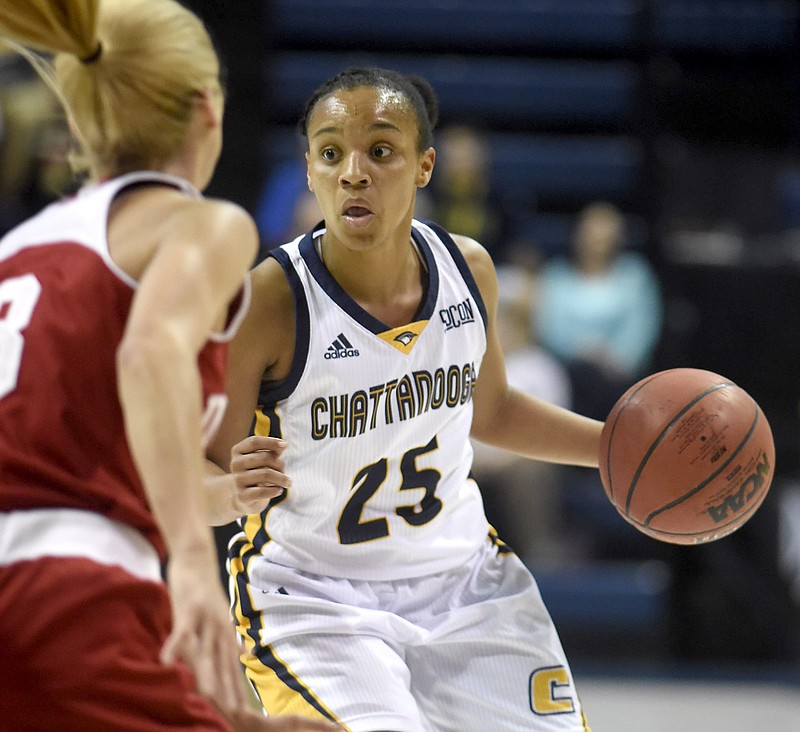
<point>341,348</point>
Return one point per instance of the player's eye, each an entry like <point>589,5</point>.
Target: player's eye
<point>381,151</point>
<point>328,153</point>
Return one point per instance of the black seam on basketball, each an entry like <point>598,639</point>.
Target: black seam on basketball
<point>711,477</point>
<point>614,427</point>
<point>739,520</point>
<point>664,432</point>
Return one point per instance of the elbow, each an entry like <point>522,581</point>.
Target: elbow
<point>479,431</point>
<point>142,355</point>
<point>488,423</point>
<point>139,353</point>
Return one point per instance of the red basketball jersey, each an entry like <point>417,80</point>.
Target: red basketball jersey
<point>63,308</point>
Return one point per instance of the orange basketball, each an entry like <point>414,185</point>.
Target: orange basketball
<point>686,456</point>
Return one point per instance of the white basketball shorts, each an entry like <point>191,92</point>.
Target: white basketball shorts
<point>472,648</point>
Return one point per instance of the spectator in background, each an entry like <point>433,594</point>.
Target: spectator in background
<point>600,311</point>
<point>34,142</point>
<point>461,193</point>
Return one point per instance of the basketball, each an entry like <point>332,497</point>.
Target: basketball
<point>686,456</point>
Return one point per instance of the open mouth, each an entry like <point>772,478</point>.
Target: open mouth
<point>356,211</point>
<point>357,215</point>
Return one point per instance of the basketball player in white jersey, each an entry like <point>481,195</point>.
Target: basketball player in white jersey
<point>372,590</point>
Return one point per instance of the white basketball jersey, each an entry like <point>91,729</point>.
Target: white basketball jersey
<point>377,424</point>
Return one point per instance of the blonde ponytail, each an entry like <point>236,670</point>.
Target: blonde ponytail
<point>65,27</point>
<point>126,71</point>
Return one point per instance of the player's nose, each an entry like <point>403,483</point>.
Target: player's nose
<point>354,170</point>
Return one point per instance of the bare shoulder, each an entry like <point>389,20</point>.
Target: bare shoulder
<point>268,329</point>
<point>480,264</point>
<point>218,220</point>
<point>195,233</point>
<point>172,210</point>
<point>226,233</point>
<point>272,294</point>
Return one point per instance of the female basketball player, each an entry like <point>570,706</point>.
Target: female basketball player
<point>107,303</point>
<point>373,591</point>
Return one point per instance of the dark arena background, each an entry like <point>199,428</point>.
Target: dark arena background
<point>686,116</point>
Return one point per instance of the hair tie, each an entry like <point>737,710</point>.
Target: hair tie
<point>92,57</point>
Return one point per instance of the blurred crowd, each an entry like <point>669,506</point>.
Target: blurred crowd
<point>34,142</point>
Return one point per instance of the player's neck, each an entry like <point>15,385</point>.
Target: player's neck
<point>387,281</point>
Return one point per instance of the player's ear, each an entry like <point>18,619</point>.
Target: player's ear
<point>426,163</point>
<point>308,176</point>
<point>211,103</point>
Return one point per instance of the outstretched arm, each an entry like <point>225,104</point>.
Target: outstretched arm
<point>508,418</point>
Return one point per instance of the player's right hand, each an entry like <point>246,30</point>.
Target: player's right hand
<point>202,637</point>
<point>257,468</point>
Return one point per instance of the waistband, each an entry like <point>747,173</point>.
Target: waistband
<point>67,532</point>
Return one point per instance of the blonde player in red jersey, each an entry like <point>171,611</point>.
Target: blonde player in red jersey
<point>116,308</point>
<point>373,591</point>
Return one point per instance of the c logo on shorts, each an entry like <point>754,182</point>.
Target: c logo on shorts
<point>550,691</point>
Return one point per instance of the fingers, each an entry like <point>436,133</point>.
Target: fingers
<point>231,688</point>
<point>203,663</point>
<point>256,461</point>
<point>246,474</point>
<point>259,468</point>
<point>209,651</point>
<point>255,443</point>
<point>169,651</point>
<point>203,640</point>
